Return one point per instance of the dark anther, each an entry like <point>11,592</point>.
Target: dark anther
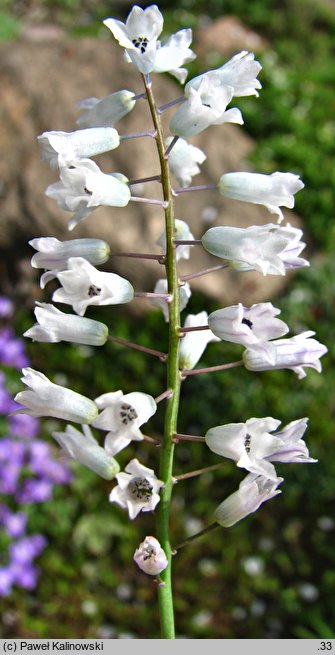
<point>247,322</point>
<point>141,489</point>
<point>141,43</point>
<point>247,443</point>
<point>128,414</point>
<point>150,551</point>
<point>94,291</point>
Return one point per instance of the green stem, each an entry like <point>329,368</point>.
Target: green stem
<point>173,380</point>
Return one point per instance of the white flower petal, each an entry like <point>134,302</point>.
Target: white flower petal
<point>240,72</point>
<point>272,191</point>
<point>86,450</point>
<point>269,249</point>
<point>253,491</point>
<point>194,343</point>
<point>83,285</point>
<point>107,111</point>
<point>63,148</point>
<point>54,326</point>
<point>54,254</point>
<point>184,160</point>
<point>138,489</point>
<point>44,398</point>
<point>294,353</point>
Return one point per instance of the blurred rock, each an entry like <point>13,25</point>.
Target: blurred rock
<point>226,36</point>
<point>41,82</point>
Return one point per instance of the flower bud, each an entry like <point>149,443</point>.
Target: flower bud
<point>150,556</point>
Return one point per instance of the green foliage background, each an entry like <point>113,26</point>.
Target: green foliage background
<point>88,585</point>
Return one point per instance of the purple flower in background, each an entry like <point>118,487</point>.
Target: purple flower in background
<point>24,550</point>
<point>12,459</point>
<point>25,576</point>
<point>6,581</point>
<point>7,404</point>
<point>23,425</point>
<point>42,463</point>
<point>12,350</point>
<point>21,451</point>
<point>6,307</point>
<point>20,569</point>
<point>14,523</point>
<point>35,491</point>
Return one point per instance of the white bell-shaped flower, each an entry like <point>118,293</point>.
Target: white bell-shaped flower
<point>183,233</point>
<point>53,254</point>
<point>240,72</point>
<point>203,107</point>
<point>176,52</point>
<point>269,249</point>
<point>83,285</point>
<point>139,35</point>
<point>44,398</point>
<point>272,191</point>
<point>193,344</point>
<point>53,326</point>
<point>107,111</point>
<point>161,287</point>
<point>137,490</point>
<point>122,416</point>
<point>252,447</point>
<point>184,160</point>
<point>253,327</point>
<point>83,447</point>
<point>150,556</point>
<point>253,491</point>
<point>295,353</point>
<point>83,187</point>
<point>63,148</point>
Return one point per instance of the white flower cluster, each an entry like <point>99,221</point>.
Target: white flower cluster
<point>269,249</point>
<point>253,446</point>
